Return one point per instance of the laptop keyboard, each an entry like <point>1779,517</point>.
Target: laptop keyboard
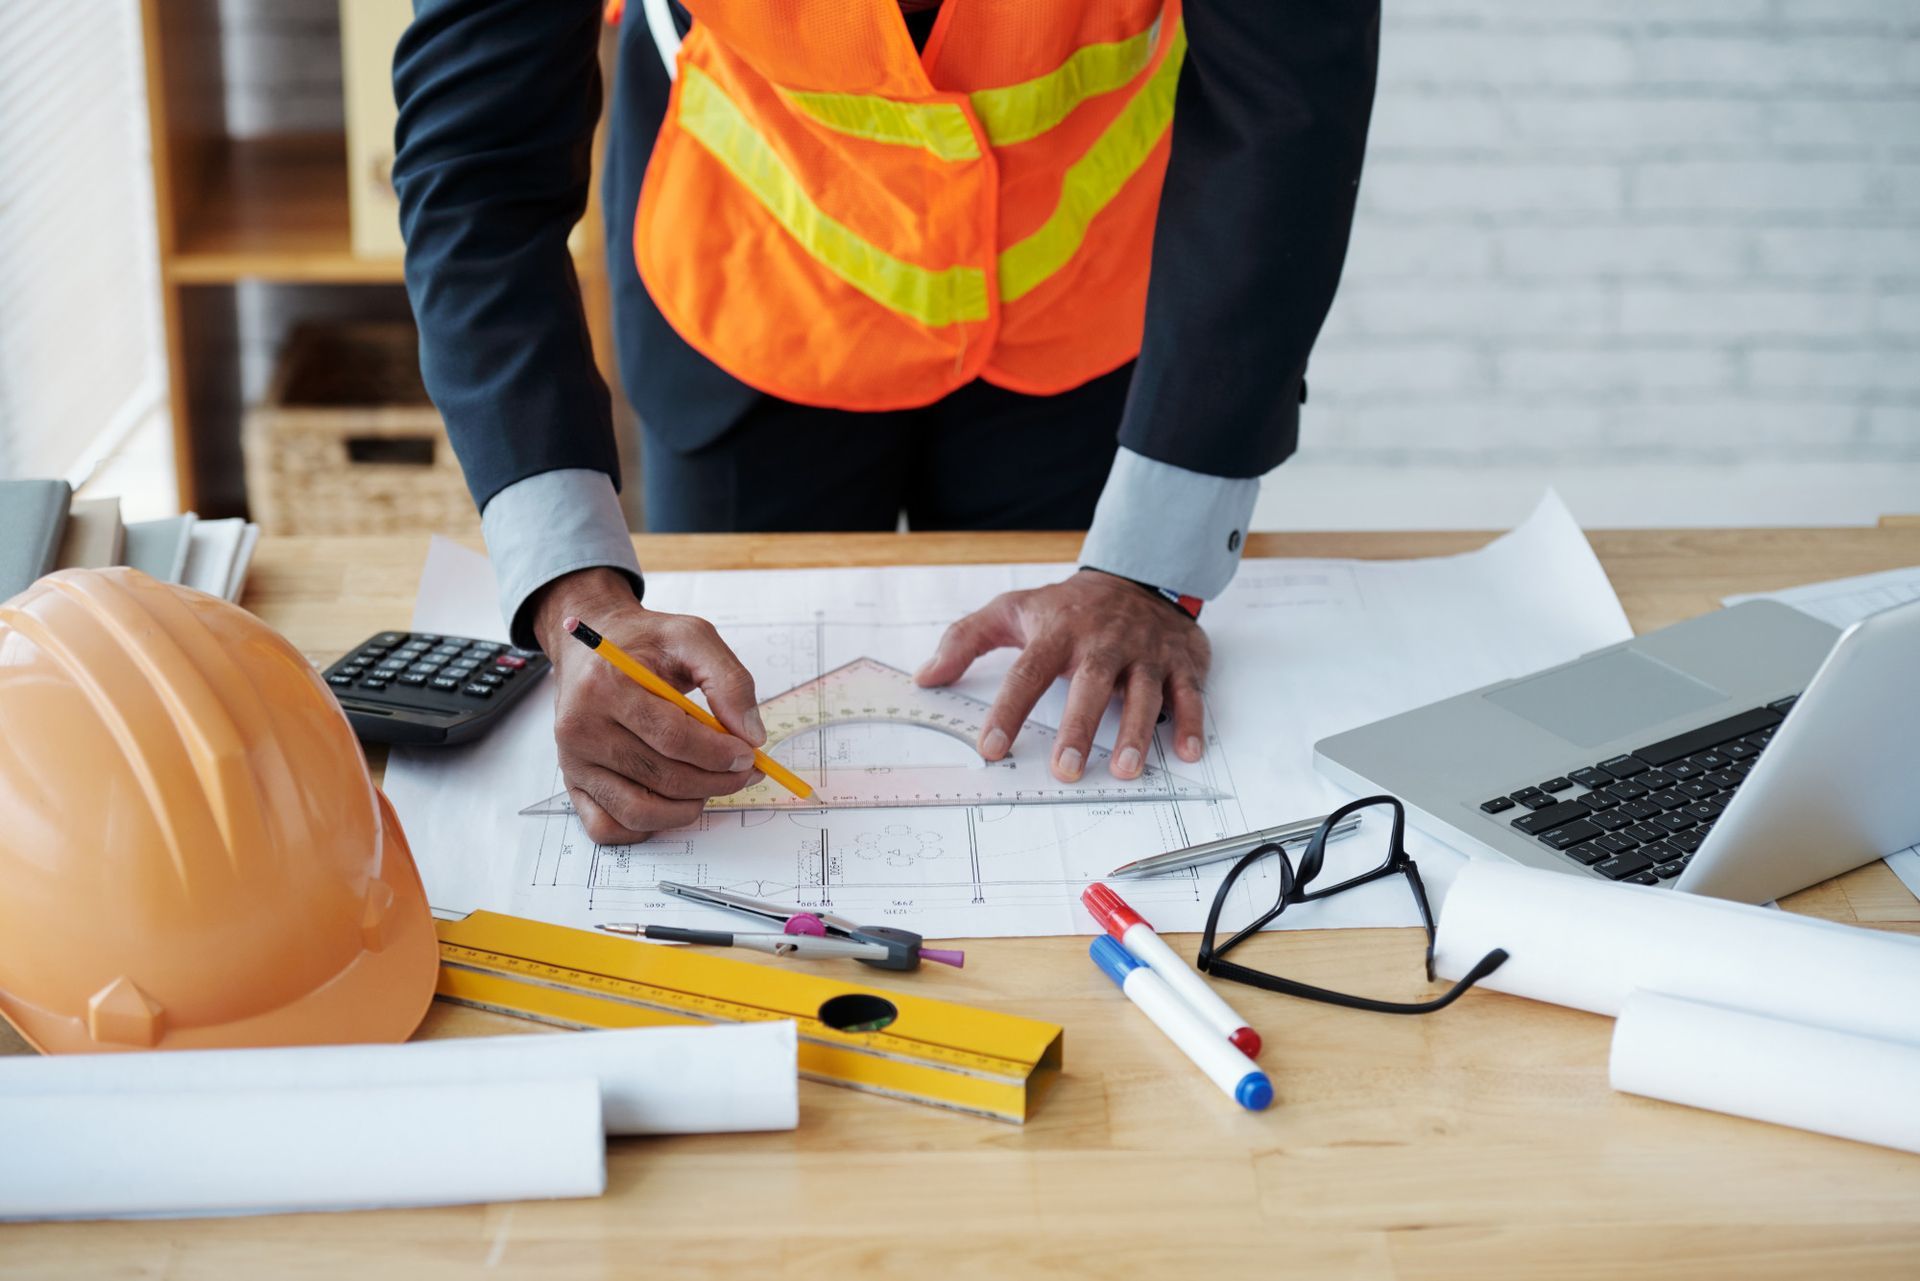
<point>1641,816</point>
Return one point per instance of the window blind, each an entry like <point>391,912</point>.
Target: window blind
<point>79,301</point>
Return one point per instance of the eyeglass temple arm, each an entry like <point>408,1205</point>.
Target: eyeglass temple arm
<point>1412,869</point>
<point>1487,964</point>
<point>1268,982</point>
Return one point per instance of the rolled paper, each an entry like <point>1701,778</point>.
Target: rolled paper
<point>1585,943</point>
<point>1744,1064</point>
<point>289,1148</point>
<point>659,1080</point>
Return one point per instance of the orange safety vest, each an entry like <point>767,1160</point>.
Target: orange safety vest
<point>838,219</point>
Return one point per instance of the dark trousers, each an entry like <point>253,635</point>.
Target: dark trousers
<point>982,458</point>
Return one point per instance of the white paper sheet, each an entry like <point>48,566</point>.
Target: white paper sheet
<point>1588,944</point>
<point>211,554</point>
<point>1906,866</point>
<point>1846,600</point>
<point>1744,1064</point>
<point>242,562</point>
<point>1302,649</point>
<point>1843,601</point>
<point>91,1156</point>
<point>671,1080</point>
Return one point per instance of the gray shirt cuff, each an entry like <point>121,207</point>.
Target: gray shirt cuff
<point>551,524</point>
<point>1169,527</point>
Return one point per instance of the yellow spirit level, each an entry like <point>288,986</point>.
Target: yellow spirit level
<point>886,1042</point>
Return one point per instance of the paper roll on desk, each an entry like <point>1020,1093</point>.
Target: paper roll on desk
<point>1589,944</point>
<point>1811,1078</point>
<point>244,1151</point>
<point>670,1080</point>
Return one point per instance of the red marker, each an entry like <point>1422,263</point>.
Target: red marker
<point>1133,933</point>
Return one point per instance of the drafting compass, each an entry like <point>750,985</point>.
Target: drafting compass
<point>868,692</point>
<point>802,933</point>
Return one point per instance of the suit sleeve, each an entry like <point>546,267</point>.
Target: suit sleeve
<point>493,156</point>
<point>498,101</point>
<point>1269,128</point>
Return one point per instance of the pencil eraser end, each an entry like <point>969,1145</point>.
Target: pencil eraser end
<point>568,623</point>
<point>1247,1041</point>
<point>1255,1092</point>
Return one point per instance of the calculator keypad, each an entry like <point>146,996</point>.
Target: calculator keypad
<point>434,679</point>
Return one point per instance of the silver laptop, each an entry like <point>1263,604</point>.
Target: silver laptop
<point>1745,754</point>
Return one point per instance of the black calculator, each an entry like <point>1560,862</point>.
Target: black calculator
<point>418,687</point>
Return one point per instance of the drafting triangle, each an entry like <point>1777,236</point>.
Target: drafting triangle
<point>866,691</point>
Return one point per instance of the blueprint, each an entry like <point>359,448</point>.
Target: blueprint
<point>1302,648</point>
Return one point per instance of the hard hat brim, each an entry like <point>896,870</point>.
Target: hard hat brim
<point>380,996</point>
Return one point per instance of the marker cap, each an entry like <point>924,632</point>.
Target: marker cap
<point>1255,1092</point>
<point>1112,958</point>
<point>1109,909</point>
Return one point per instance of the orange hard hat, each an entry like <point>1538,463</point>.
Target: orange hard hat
<point>192,852</point>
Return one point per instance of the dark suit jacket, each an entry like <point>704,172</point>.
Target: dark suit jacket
<point>498,100</point>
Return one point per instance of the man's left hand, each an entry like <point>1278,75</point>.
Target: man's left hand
<point>1105,633</point>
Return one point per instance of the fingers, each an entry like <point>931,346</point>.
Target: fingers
<point>628,756</point>
<point>600,829</point>
<point>1189,717</point>
<point>988,628</point>
<point>1139,711</point>
<point>677,737</point>
<point>1029,677</point>
<point>635,763</point>
<point>612,724</point>
<point>1087,699</point>
<point>617,811</point>
<point>701,658</point>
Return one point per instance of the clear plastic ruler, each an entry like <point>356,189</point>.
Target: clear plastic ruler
<point>866,692</point>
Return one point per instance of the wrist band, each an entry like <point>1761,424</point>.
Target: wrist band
<point>1188,605</point>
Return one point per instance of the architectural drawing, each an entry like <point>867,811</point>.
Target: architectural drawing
<point>908,821</point>
<point>1302,649</point>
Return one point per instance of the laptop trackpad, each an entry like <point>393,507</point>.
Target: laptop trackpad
<point>1605,697</point>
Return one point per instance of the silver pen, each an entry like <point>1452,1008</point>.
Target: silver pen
<point>1298,833</point>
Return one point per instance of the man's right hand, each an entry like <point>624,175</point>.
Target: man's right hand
<point>634,763</point>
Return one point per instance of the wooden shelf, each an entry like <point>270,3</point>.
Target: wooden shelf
<point>273,209</point>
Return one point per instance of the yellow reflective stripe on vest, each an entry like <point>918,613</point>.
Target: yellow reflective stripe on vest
<point>939,127</point>
<point>1010,114</point>
<point>1016,113</point>
<point>934,298</point>
<point>1092,181</point>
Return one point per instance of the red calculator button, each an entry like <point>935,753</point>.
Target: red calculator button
<point>509,662</point>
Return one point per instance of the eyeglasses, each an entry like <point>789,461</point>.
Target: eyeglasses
<point>1295,888</point>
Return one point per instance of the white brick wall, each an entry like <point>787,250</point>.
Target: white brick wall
<point>1604,230</point>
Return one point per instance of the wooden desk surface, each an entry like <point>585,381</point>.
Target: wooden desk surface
<point>1480,1142</point>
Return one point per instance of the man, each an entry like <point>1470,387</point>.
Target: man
<point>874,257</point>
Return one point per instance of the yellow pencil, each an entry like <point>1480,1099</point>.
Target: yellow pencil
<point>630,666</point>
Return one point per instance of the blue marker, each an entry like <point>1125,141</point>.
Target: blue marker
<point>1212,1053</point>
